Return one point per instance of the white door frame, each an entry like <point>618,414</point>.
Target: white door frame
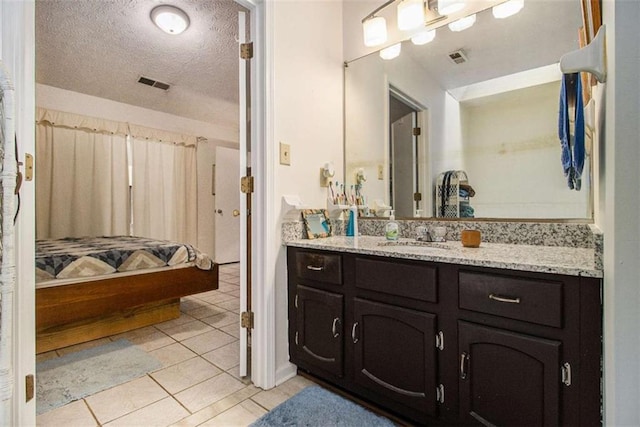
<point>263,351</point>
<point>17,22</point>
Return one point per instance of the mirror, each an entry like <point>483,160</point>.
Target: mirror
<point>316,222</point>
<point>492,118</point>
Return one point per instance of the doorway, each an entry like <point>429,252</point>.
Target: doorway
<point>408,166</point>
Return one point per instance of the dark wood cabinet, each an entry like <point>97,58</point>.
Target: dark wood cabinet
<point>318,336</point>
<point>442,343</point>
<point>507,378</point>
<point>395,354</point>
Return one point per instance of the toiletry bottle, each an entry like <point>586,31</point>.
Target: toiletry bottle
<point>352,226</point>
<point>391,229</point>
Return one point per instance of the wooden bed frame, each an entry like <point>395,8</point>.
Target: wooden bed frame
<point>75,313</point>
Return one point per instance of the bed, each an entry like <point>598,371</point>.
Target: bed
<point>89,288</point>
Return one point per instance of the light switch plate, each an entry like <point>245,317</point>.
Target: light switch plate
<point>285,154</point>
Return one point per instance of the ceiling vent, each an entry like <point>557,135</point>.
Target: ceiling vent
<point>458,57</point>
<point>154,83</point>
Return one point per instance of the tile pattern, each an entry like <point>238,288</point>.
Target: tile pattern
<point>198,383</point>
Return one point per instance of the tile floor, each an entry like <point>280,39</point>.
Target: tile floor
<point>198,384</point>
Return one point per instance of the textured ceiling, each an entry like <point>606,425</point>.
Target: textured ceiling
<point>102,47</point>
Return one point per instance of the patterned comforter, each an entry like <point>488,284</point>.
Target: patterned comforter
<point>95,256</point>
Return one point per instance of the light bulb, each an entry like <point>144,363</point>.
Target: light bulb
<point>410,14</point>
<point>463,23</point>
<point>423,37</point>
<point>447,7</point>
<point>507,9</point>
<point>390,52</point>
<point>375,31</point>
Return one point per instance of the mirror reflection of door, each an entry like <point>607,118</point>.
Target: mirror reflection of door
<point>403,157</point>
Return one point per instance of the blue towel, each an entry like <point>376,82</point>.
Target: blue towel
<point>572,145</point>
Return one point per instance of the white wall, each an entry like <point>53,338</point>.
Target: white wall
<point>367,82</point>
<point>307,114</point>
<point>517,131</point>
<point>78,103</point>
<point>620,216</point>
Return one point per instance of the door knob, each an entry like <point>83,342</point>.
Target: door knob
<point>236,212</point>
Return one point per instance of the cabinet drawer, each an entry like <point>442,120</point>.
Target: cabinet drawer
<point>531,300</point>
<point>397,278</point>
<point>322,267</point>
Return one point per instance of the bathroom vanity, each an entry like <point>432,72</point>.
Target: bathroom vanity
<point>498,335</point>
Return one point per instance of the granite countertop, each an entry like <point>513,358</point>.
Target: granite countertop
<point>545,259</point>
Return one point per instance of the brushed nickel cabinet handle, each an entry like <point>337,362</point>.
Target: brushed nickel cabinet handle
<point>334,327</point>
<point>504,299</point>
<point>314,268</point>
<point>354,338</point>
<point>463,372</point>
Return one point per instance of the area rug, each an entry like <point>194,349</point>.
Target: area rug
<point>82,373</point>
<point>315,406</point>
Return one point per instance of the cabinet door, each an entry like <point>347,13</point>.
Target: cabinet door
<point>395,354</point>
<point>319,340</point>
<point>507,378</point>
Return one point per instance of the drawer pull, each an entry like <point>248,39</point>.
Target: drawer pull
<point>354,338</point>
<point>314,268</point>
<point>464,357</point>
<point>334,327</point>
<point>504,299</point>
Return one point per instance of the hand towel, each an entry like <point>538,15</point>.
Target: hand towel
<point>572,145</point>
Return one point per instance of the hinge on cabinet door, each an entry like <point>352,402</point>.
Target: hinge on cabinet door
<point>566,374</point>
<point>440,340</point>
<point>417,131</point>
<point>246,50</point>
<point>440,393</point>
<point>246,184</point>
<point>246,319</point>
<point>296,339</point>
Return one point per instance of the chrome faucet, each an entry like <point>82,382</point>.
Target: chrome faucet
<point>423,234</point>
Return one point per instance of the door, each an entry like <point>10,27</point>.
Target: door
<point>227,205</point>
<point>404,166</point>
<point>395,354</point>
<point>318,337</point>
<point>507,378</point>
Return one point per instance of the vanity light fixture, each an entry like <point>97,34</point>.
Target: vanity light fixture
<point>410,14</point>
<point>507,9</point>
<point>375,30</point>
<point>447,7</point>
<point>170,19</point>
<point>423,37</point>
<point>463,23</point>
<point>391,52</point>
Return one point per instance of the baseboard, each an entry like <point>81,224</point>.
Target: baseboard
<point>286,372</point>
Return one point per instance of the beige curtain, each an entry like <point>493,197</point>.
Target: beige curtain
<point>164,193</point>
<point>82,180</point>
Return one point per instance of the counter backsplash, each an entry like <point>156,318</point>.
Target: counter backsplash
<point>572,235</point>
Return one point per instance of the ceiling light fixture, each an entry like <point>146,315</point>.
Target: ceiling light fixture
<point>410,14</point>
<point>423,37</point>
<point>507,9</point>
<point>170,19</point>
<point>391,52</point>
<point>463,23</point>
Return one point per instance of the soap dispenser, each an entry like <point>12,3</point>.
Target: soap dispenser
<point>391,229</point>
